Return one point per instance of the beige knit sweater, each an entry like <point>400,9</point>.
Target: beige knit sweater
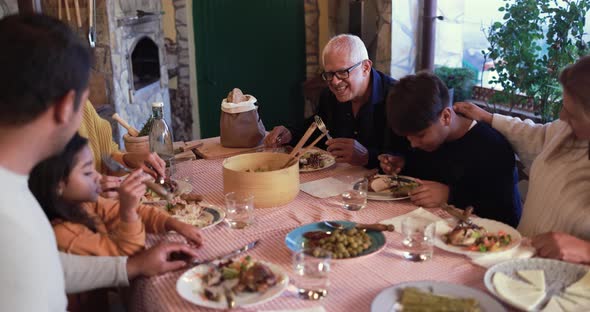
<point>558,197</point>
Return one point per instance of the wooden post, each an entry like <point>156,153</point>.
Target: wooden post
<point>428,35</point>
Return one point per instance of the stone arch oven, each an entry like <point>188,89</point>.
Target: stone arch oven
<point>145,63</point>
<point>138,58</point>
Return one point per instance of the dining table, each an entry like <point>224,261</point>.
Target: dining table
<point>354,283</point>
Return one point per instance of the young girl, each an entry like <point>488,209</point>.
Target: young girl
<point>67,187</point>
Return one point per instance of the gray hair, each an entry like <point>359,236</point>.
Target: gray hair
<point>351,44</point>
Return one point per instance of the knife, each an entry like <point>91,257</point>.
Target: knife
<point>227,256</point>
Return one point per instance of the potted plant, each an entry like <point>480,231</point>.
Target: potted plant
<point>529,48</point>
<point>460,79</point>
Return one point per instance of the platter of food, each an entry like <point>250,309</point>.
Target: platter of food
<point>315,160</point>
<point>433,296</point>
<point>345,243</point>
<point>480,236</point>
<point>198,214</point>
<point>246,281</point>
<point>175,187</point>
<point>540,284</point>
<point>389,187</point>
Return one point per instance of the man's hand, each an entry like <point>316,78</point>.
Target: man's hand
<point>562,246</point>
<point>142,160</point>
<point>191,233</point>
<point>429,194</point>
<point>391,164</point>
<point>348,151</point>
<point>157,260</point>
<point>109,186</point>
<point>277,137</point>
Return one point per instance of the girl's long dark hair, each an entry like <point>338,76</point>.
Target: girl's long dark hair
<point>44,183</point>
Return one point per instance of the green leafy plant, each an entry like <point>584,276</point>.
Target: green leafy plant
<point>460,79</point>
<point>535,41</point>
<point>147,127</point>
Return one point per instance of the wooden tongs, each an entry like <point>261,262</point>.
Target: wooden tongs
<point>298,151</point>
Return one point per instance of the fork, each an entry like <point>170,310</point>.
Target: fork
<point>322,126</point>
<point>115,166</point>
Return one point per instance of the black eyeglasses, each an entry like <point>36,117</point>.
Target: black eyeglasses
<point>341,74</point>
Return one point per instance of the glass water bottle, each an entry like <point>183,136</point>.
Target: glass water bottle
<point>161,135</point>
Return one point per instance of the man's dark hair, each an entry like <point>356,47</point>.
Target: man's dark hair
<point>41,59</point>
<point>415,102</point>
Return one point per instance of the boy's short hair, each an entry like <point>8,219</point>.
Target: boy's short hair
<point>41,60</point>
<point>415,102</point>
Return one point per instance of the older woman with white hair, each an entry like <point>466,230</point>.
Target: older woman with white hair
<point>352,106</point>
<point>556,213</point>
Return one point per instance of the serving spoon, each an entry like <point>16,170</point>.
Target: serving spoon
<point>372,227</point>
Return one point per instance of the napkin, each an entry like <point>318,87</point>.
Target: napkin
<point>313,309</point>
<point>524,250</point>
<point>324,188</point>
<point>416,213</point>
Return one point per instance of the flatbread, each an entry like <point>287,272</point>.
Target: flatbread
<point>553,306</point>
<point>535,277</point>
<point>581,285</point>
<point>522,295</point>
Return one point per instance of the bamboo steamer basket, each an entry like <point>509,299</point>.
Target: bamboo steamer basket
<point>270,188</point>
<point>136,144</point>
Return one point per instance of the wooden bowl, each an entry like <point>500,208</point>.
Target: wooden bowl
<point>272,188</point>
<point>136,144</point>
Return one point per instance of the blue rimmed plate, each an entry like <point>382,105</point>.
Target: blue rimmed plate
<point>294,238</point>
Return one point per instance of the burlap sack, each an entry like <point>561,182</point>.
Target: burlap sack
<point>239,123</point>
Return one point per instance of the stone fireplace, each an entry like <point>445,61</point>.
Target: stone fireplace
<point>138,56</point>
<point>130,69</point>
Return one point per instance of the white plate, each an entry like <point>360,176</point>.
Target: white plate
<point>445,226</point>
<point>189,286</point>
<point>383,196</point>
<point>217,213</point>
<point>558,274</point>
<point>330,161</point>
<point>386,196</point>
<point>385,300</point>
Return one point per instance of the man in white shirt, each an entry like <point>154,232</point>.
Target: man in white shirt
<point>44,78</point>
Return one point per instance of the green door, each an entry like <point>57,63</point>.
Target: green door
<point>257,46</point>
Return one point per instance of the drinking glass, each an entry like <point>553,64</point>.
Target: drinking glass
<point>311,274</point>
<point>239,210</point>
<point>355,197</point>
<point>418,239</point>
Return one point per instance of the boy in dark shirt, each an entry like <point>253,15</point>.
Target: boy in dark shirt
<point>458,160</point>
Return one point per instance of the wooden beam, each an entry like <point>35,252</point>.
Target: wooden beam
<point>29,6</point>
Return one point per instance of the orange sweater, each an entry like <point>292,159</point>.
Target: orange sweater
<point>113,237</point>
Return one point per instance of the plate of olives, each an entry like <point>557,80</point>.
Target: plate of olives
<point>346,243</point>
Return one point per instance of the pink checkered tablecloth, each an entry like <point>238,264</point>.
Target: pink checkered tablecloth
<point>354,283</point>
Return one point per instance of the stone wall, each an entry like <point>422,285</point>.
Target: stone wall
<point>110,83</point>
<point>180,99</point>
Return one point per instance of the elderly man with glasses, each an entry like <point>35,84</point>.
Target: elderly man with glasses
<point>352,106</point>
